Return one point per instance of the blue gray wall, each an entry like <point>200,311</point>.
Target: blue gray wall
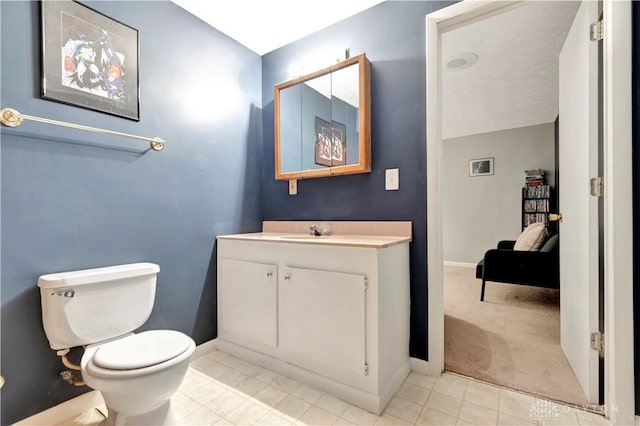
<point>392,34</point>
<point>72,199</point>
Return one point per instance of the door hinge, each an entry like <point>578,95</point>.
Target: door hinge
<point>597,342</point>
<point>597,31</point>
<point>597,186</point>
<point>366,369</point>
<point>366,283</point>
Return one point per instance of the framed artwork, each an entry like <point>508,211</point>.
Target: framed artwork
<point>331,143</point>
<point>324,144</point>
<point>89,60</point>
<point>338,144</point>
<point>481,167</point>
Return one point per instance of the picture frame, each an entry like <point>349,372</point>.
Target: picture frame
<point>89,60</point>
<point>338,144</point>
<point>481,167</point>
<point>331,143</point>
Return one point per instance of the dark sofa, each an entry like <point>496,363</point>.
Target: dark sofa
<point>536,268</point>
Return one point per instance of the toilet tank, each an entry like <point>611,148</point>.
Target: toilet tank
<point>92,305</point>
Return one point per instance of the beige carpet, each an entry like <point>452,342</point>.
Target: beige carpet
<point>511,339</point>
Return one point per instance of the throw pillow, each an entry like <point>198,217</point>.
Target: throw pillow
<point>532,237</point>
<point>551,243</point>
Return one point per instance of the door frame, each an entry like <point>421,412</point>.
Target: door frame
<point>618,223</point>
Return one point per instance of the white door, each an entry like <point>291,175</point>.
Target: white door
<point>578,162</point>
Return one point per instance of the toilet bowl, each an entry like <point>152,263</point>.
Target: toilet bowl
<point>100,308</point>
<point>138,374</point>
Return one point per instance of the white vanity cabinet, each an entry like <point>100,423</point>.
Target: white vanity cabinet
<point>333,316</point>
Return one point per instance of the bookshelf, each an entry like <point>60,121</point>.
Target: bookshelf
<point>536,197</point>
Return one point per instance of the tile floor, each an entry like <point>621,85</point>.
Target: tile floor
<point>221,389</point>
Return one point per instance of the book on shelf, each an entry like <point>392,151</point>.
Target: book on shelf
<point>539,191</point>
<point>535,198</point>
<point>534,172</point>
<point>534,177</point>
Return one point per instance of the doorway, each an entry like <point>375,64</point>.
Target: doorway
<point>617,175</point>
<point>504,107</point>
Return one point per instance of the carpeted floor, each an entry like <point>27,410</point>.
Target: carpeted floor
<point>511,339</point>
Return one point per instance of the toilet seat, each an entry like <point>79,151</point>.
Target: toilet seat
<point>137,354</point>
<point>141,350</point>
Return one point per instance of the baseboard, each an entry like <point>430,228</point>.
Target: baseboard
<point>459,264</point>
<point>65,410</point>
<point>387,393</point>
<point>89,400</point>
<point>204,348</point>
<point>424,367</point>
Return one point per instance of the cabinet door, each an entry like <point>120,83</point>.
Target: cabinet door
<point>247,297</point>
<point>322,323</point>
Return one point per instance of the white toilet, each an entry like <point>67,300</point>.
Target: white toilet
<point>136,373</point>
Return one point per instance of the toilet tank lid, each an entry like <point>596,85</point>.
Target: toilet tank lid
<point>88,276</point>
<point>141,350</point>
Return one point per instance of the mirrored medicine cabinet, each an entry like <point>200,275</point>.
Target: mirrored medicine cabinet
<point>323,122</point>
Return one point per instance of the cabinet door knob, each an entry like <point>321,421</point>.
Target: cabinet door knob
<point>287,277</point>
<point>269,274</point>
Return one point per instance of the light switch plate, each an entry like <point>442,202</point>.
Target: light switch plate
<point>392,179</point>
<point>293,187</point>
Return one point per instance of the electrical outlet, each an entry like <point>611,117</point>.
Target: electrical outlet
<point>392,179</point>
<point>293,187</point>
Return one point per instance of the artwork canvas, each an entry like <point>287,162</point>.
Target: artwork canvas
<point>339,144</point>
<point>89,60</point>
<point>331,143</point>
<point>323,142</point>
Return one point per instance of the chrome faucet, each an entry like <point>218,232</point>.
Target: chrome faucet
<point>318,231</point>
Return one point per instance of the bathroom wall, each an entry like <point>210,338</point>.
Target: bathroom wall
<point>73,199</point>
<point>479,211</point>
<point>392,34</point>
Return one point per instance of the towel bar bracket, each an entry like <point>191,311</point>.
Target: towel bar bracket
<point>10,117</point>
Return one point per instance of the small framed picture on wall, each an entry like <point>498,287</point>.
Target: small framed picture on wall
<point>481,167</point>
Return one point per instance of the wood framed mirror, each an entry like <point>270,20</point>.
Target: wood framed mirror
<point>323,122</point>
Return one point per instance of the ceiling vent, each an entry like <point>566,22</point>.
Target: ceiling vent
<point>463,61</point>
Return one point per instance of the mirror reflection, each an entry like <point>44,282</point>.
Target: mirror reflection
<point>322,122</point>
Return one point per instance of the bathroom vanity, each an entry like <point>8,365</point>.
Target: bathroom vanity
<point>331,311</point>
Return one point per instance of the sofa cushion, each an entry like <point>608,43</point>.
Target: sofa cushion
<point>551,244</point>
<point>532,237</point>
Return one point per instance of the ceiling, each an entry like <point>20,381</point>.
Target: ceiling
<point>265,25</point>
<point>513,84</point>
<point>515,80</point>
